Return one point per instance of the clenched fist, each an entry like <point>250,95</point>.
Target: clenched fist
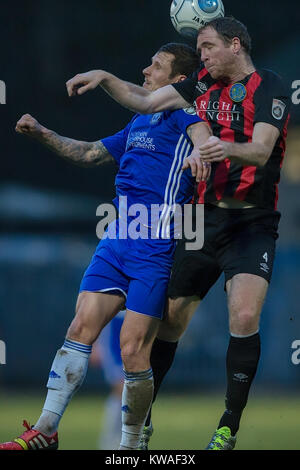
<point>215,150</point>
<point>29,126</point>
<point>84,82</point>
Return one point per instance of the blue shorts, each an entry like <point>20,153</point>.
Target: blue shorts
<point>139,269</point>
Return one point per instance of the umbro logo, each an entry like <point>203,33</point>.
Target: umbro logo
<point>202,87</point>
<point>264,267</point>
<point>240,377</point>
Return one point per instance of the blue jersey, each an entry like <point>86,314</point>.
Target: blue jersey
<point>150,153</point>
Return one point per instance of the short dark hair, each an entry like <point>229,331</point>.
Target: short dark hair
<point>229,28</point>
<point>186,59</point>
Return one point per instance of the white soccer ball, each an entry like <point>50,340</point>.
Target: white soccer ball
<point>188,16</point>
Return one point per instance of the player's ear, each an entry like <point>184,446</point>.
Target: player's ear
<point>236,45</point>
<point>181,78</point>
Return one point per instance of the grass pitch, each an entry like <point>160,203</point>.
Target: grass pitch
<point>183,422</point>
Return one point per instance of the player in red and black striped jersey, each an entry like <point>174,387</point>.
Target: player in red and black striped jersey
<point>247,110</point>
<point>232,111</point>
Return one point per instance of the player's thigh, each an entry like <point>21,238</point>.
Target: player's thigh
<point>93,311</point>
<point>247,261</point>
<point>138,333</point>
<point>177,317</point>
<point>193,272</point>
<point>246,294</point>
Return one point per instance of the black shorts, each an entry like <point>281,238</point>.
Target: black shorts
<point>235,241</point>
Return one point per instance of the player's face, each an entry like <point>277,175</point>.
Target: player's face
<point>216,56</point>
<point>158,73</point>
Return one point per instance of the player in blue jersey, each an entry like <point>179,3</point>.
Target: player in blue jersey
<point>150,153</point>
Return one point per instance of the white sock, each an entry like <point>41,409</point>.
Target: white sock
<point>66,376</point>
<point>111,425</point>
<point>136,401</point>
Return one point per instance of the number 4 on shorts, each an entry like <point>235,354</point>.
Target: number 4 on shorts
<point>265,257</point>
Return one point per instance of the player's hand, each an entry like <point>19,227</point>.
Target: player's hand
<point>200,169</point>
<point>28,125</point>
<point>215,150</point>
<point>84,82</point>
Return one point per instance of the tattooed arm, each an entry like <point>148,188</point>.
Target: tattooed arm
<point>78,152</point>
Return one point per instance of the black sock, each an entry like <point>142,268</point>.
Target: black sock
<point>162,356</point>
<point>241,362</point>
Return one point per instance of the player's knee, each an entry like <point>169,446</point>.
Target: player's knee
<point>174,324</point>
<point>130,348</point>
<point>244,321</point>
<point>80,330</point>
<point>135,355</point>
<point>171,330</point>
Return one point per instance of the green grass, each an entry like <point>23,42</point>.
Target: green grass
<point>184,422</point>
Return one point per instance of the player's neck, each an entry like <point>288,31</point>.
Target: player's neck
<point>244,69</point>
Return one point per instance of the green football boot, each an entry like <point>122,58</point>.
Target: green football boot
<point>222,440</point>
<point>145,438</point>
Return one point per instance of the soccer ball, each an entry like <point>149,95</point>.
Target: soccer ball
<point>188,16</point>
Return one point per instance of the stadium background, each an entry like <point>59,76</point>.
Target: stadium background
<point>47,211</point>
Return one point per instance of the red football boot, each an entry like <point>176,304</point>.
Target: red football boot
<point>32,440</point>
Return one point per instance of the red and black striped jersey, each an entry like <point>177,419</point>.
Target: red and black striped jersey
<point>232,111</point>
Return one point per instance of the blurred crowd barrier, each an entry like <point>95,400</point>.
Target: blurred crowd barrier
<point>40,276</point>
<point>46,242</point>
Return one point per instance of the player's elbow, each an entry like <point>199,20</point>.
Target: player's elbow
<point>87,159</point>
<point>264,155</point>
<point>160,100</point>
<point>141,102</point>
<point>261,162</point>
<point>149,106</point>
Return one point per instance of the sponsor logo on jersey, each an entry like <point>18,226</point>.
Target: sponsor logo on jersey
<point>238,92</point>
<point>278,108</point>
<point>140,140</point>
<point>215,111</point>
